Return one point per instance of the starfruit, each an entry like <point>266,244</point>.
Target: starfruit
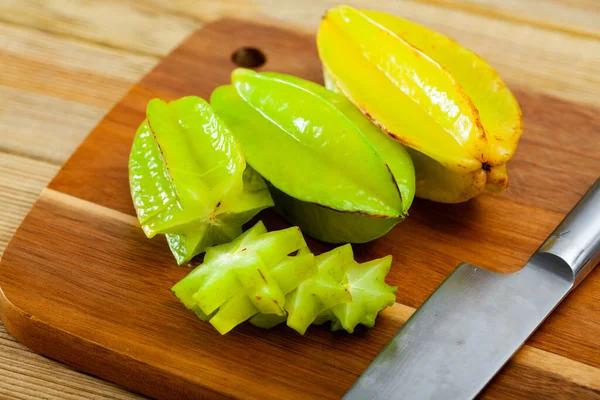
<point>238,279</point>
<point>189,180</point>
<point>342,291</point>
<point>458,118</point>
<point>256,278</point>
<point>331,171</point>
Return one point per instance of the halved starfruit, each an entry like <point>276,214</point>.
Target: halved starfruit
<point>458,118</point>
<point>189,180</point>
<point>330,169</point>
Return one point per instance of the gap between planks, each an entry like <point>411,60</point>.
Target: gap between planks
<point>579,373</point>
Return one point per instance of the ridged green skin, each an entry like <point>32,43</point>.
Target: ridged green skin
<point>189,180</point>
<point>337,176</point>
<point>254,278</point>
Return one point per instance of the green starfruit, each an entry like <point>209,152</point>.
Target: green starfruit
<point>332,171</point>
<point>256,278</point>
<point>342,291</point>
<point>188,178</point>
<point>250,275</point>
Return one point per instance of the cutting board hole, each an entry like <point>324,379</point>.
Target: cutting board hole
<point>248,57</point>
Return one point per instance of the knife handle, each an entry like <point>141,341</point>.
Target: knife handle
<point>576,240</point>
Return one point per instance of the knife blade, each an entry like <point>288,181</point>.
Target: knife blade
<point>476,320</point>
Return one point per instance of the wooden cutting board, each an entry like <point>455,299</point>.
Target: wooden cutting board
<point>82,284</point>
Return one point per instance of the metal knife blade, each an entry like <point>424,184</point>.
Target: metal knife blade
<point>476,319</point>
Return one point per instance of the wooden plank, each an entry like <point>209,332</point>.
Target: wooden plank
<point>26,375</point>
<point>44,127</point>
<point>575,17</point>
<point>67,69</point>
<point>116,268</point>
<point>57,90</point>
<point>113,23</point>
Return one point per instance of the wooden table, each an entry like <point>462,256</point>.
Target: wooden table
<point>64,63</point>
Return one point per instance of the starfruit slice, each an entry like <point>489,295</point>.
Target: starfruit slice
<point>247,276</point>
<point>370,294</point>
<point>459,119</point>
<point>311,145</point>
<point>256,278</point>
<point>342,291</point>
<point>188,178</point>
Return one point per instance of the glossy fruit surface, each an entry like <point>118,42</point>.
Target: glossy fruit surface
<point>188,178</point>
<point>427,92</point>
<point>312,145</point>
<point>499,111</point>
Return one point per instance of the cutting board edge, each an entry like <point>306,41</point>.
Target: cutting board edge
<point>113,366</point>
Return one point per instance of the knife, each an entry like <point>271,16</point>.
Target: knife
<point>476,320</point>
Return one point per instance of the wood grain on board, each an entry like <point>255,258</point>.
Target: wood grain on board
<point>81,283</point>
